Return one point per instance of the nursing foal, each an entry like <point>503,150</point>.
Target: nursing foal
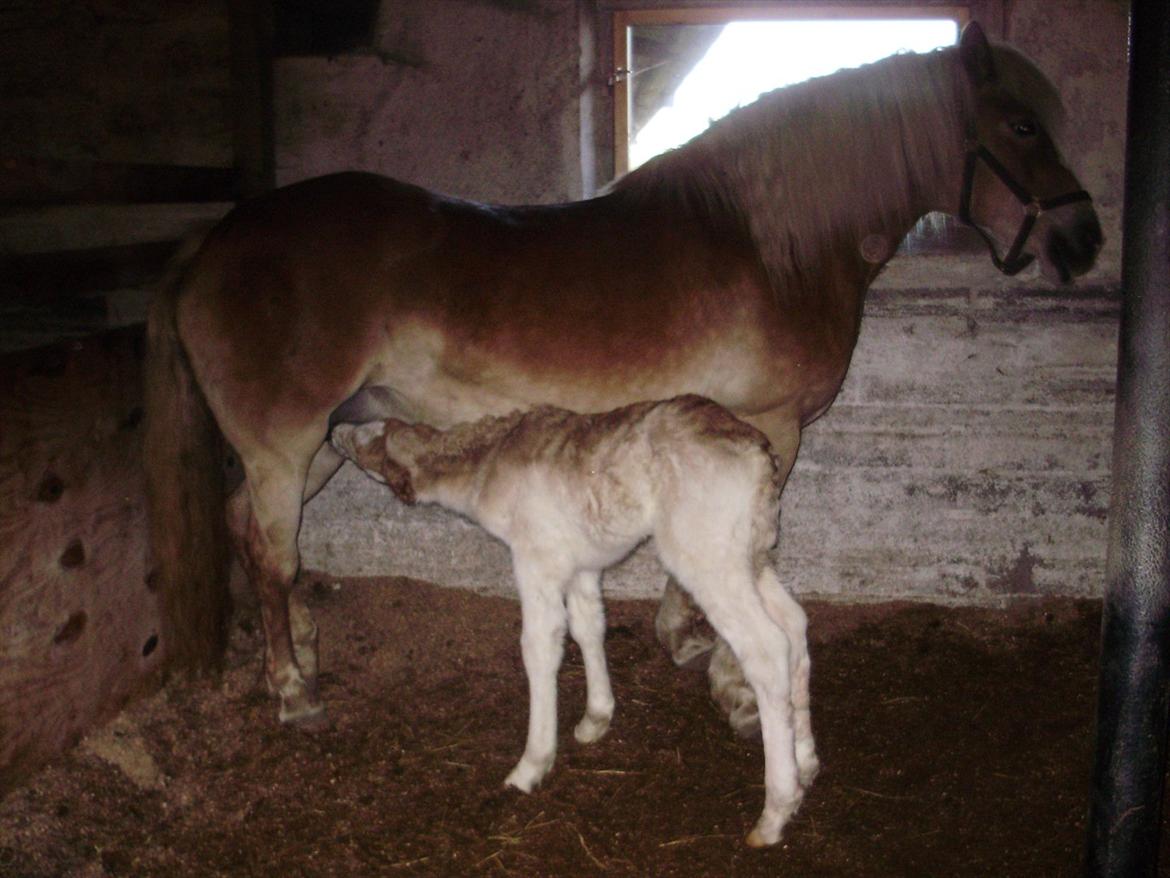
<point>571,495</point>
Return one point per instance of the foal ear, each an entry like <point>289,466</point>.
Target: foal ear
<point>398,480</point>
<point>361,443</point>
<point>975,53</point>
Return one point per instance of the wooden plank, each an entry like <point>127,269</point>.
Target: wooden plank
<point>63,228</point>
<point>254,140</point>
<point>80,623</point>
<point>53,275</point>
<point>39,181</point>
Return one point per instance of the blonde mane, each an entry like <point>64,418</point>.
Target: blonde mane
<point>810,170</point>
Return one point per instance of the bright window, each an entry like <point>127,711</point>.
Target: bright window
<point>678,70</point>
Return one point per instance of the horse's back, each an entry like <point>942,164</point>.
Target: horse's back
<point>279,309</point>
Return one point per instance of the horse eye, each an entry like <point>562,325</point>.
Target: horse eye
<point>1024,128</point>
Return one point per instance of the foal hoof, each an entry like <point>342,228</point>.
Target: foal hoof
<point>766,832</point>
<point>591,729</point>
<point>757,839</point>
<point>768,828</point>
<point>807,769</point>
<point>527,775</point>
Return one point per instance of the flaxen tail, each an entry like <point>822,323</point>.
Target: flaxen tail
<point>183,456</point>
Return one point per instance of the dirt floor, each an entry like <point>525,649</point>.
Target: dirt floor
<point>954,742</point>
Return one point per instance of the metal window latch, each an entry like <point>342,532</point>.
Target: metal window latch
<point>620,74</point>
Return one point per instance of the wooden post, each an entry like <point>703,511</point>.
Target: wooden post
<point>1133,707</point>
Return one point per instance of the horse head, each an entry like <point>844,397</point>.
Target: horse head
<point>1017,192</point>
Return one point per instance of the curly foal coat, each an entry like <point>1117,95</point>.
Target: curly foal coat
<point>573,494</point>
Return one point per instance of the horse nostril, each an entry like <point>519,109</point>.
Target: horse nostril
<point>1091,237</point>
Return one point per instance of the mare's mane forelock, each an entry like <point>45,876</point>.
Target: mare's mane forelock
<point>812,168</point>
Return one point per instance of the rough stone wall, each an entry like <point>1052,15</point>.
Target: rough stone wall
<point>967,457</point>
<point>470,97</point>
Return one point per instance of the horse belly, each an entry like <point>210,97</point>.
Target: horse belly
<point>426,378</point>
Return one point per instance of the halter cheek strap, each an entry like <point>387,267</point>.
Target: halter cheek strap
<point>1015,260</point>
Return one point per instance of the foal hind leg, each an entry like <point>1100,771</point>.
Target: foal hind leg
<point>264,524</point>
<point>729,687</point>
<point>728,596</point>
<point>789,615</point>
<point>587,625</point>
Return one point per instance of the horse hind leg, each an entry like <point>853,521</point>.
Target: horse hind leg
<point>301,624</point>
<point>730,690</point>
<point>681,627</point>
<point>264,517</point>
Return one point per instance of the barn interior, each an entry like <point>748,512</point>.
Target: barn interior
<point>946,522</point>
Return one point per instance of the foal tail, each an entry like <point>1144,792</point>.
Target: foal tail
<point>183,457</point>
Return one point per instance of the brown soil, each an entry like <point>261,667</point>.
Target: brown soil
<point>954,742</point>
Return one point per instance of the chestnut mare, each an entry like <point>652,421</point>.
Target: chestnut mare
<point>733,267</point>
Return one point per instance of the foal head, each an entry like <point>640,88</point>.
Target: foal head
<point>1017,191</point>
<point>366,445</point>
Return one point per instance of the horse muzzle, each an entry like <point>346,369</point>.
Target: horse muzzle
<point>1071,246</point>
<point>1069,253</point>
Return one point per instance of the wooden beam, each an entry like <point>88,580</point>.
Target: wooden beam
<point>52,275</point>
<point>252,90</point>
<point>26,182</point>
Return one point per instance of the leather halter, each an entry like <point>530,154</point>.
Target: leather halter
<point>1015,260</point>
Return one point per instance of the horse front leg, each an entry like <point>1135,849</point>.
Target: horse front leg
<point>681,626</point>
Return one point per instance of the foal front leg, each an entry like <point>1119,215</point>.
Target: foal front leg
<point>542,641</point>
<point>587,625</point>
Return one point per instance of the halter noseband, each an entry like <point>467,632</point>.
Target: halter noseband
<point>1015,260</point>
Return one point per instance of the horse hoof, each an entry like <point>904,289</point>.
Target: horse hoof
<point>314,719</point>
<point>688,653</point>
<point>747,728</point>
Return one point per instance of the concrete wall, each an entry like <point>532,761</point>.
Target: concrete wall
<point>967,457</point>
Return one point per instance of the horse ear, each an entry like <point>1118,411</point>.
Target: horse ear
<point>975,52</point>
